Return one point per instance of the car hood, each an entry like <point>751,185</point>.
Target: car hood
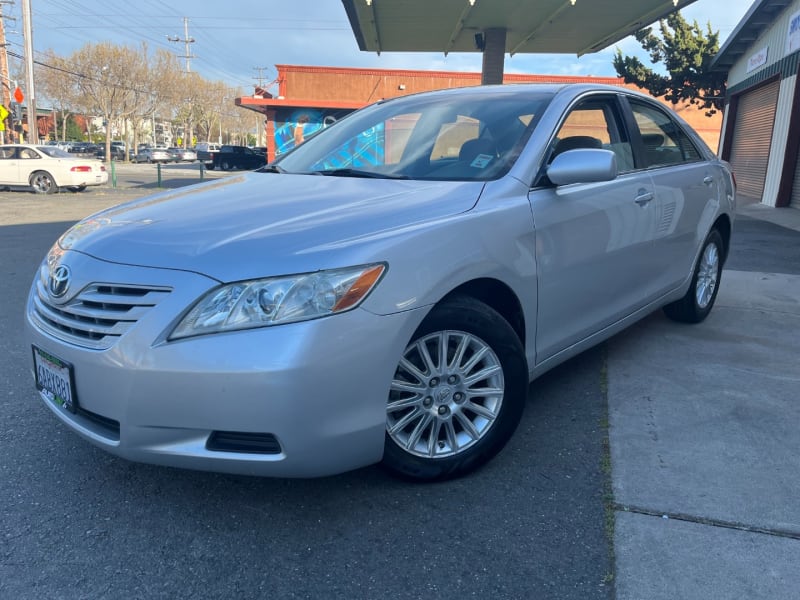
<point>258,224</point>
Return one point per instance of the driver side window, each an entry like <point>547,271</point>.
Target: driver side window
<point>594,123</point>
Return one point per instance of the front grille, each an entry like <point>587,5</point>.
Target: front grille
<point>98,315</point>
<point>241,441</point>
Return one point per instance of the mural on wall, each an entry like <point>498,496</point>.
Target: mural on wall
<point>293,126</point>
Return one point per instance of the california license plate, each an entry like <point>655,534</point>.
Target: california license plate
<point>54,378</point>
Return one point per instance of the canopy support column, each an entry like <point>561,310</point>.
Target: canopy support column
<point>494,48</point>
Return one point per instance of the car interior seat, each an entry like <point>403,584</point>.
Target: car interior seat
<point>471,149</point>
<point>575,142</point>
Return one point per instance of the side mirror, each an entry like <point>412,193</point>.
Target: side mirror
<point>582,166</point>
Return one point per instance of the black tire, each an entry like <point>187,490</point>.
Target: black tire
<point>225,165</point>
<point>76,188</point>
<point>210,166</point>
<point>702,293</point>
<point>440,426</point>
<point>43,183</point>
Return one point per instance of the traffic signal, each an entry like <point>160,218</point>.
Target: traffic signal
<point>16,111</point>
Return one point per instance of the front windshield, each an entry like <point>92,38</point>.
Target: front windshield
<point>468,135</point>
<point>53,152</point>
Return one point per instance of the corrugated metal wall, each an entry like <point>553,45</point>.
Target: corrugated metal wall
<point>755,117</point>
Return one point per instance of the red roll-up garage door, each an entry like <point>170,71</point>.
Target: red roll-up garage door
<point>752,135</point>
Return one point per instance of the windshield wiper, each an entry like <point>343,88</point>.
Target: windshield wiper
<point>358,173</point>
<point>273,169</point>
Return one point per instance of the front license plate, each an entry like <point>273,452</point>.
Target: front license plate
<point>54,378</point>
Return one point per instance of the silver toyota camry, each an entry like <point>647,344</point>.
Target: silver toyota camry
<point>386,291</point>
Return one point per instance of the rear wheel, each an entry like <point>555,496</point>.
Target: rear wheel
<point>225,165</point>
<point>43,183</point>
<point>457,394</point>
<point>699,299</point>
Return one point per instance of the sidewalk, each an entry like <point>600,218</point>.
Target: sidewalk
<point>705,440</point>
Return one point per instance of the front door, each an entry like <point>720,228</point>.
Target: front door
<point>593,241</point>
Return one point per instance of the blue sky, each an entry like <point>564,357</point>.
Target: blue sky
<point>233,38</point>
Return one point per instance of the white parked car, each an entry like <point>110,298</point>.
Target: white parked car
<point>48,168</point>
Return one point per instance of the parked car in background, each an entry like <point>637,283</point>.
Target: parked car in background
<point>117,152</point>
<point>48,168</point>
<point>183,154</point>
<point>384,292</point>
<point>82,148</point>
<point>205,153</point>
<point>153,155</point>
<point>238,157</point>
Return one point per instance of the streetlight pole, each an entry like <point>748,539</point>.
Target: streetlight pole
<point>27,30</point>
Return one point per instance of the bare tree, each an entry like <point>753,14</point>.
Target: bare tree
<point>107,82</point>
<point>57,82</point>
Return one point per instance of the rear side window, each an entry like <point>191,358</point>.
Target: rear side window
<point>664,141</point>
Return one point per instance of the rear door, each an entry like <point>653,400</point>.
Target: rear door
<point>593,241</point>
<point>686,186</point>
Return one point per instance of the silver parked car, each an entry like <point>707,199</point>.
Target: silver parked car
<point>153,155</point>
<point>386,291</point>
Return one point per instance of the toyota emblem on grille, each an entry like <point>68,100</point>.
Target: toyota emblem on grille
<point>58,283</point>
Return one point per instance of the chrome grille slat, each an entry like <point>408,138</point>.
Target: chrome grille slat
<point>98,315</point>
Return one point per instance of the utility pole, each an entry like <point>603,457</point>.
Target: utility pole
<point>260,76</point>
<point>5,84</point>
<point>27,30</point>
<point>187,135</point>
<point>186,41</point>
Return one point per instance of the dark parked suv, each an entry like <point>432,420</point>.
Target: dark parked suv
<point>238,157</point>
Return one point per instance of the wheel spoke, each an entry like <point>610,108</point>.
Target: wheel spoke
<point>482,374</point>
<point>405,386</point>
<point>468,425</point>
<point>450,432</point>
<point>426,357</point>
<point>485,391</point>
<point>417,433</point>
<point>403,422</point>
<point>481,410</point>
<point>443,343</point>
<point>459,353</point>
<point>412,369</point>
<point>474,359</point>
<point>396,405</point>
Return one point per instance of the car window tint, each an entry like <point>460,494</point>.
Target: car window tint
<point>664,142</point>
<point>7,153</point>
<point>595,123</point>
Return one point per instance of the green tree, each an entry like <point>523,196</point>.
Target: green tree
<point>686,51</point>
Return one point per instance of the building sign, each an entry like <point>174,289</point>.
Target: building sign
<point>793,36</point>
<point>758,59</point>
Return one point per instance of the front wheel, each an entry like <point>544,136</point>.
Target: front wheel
<point>43,183</point>
<point>457,393</point>
<point>699,299</point>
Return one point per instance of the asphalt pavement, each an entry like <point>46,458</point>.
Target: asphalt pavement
<point>704,433</point>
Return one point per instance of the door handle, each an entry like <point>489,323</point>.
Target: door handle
<point>708,180</point>
<point>643,198</point>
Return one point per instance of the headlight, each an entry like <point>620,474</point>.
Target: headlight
<point>274,301</point>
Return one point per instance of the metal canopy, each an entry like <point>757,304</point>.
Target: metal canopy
<point>532,26</point>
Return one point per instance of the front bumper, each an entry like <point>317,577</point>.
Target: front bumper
<point>319,388</point>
